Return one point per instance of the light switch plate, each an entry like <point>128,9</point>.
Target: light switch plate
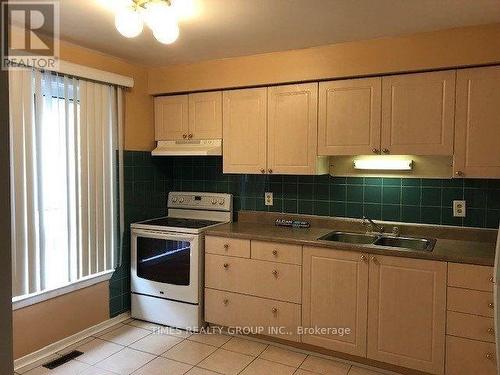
<point>459,208</point>
<point>268,198</point>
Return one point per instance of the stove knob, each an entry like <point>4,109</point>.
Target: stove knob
<point>214,201</point>
<point>221,201</point>
<point>174,199</point>
<point>181,200</point>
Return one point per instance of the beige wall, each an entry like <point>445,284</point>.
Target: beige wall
<point>44,323</point>
<point>441,49</point>
<point>139,130</point>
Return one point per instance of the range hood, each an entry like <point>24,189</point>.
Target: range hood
<point>188,148</point>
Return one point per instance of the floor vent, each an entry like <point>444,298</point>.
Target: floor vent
<point>62,360</point>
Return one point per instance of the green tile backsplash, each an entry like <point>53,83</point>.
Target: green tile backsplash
<point>149,179</point>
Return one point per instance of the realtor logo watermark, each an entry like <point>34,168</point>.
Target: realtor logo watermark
<point>30,34</point>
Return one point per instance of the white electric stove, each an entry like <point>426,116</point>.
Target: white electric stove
<point>167,259</point>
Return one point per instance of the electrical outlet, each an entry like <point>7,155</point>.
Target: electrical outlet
<point>268,197</point>
<point>459,208</point>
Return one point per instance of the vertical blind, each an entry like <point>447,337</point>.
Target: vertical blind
<point>64,168</point>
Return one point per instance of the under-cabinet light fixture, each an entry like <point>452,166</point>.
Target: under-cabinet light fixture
<point>384,164</point>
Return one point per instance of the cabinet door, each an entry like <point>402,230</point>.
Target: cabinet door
<point>171,117</point>
<point>292,129</point>
<point>244,123</point>
<point>407,312</point>
<point>477,131</point>
<point>349,117</point>
<point>418,113</point>
<point>335,287</point>
<point>205,115</point>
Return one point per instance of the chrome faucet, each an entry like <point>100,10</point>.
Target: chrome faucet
<point>370,225</point>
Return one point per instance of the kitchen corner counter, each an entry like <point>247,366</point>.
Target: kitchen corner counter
<point>446,249</point>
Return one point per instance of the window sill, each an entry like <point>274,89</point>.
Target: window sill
<point>31,299</point>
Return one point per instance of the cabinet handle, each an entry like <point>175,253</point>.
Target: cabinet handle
<point>262,171</point>
<point>491,305</point>
<point>275,273</point>
<point>375,150</point>
<point>225,301</point>
<point>226,266</point>
<point>385,151</point>
<point>363,258</point>
<point>275,310</point>
<point>226,246</point>
<point>270,170</point>
<point>375,260</point>
<point>491,331</point>
<point>184,136</point>
<point>489,356</point>
<point>190,136</point>
<point>275,253</point>
<point>492,280</point>
<point>459,173</point>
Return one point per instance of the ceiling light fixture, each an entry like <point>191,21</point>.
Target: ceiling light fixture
<point>161,16</point>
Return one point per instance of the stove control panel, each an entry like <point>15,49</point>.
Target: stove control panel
<point>200,201</point>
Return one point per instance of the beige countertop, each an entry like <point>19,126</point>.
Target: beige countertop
<point>447,248</point>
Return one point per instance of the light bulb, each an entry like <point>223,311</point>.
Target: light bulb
<point>166,33</point>
<point>129,22</point>
<point>184,9</point>
<point>157,14</point>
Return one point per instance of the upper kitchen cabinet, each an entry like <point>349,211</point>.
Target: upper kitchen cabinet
<point>292,129</point>
<point>205,115</point>
<point>171,117</point>
<point>193,116</point>
<point>349,117</point>
<point>477,129</point>
<point>418,113</point>
<point>407,312</point>
<point>244,131</point>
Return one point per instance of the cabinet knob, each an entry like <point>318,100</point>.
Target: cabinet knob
<point>226,265</point>
<point>225,301</point>
<point>275,253</point>
<point>262,171</point>
<point>275,273</point>
<point>489,356</point>
<point>492,280</point>
<point>275,310</point>
<point>184,136</point>
<point>385,151</point>
<point>375,150</point>
<point>363,258</point>
<point>270,170</point>
<point>374,260</point>
<point>491,305</point>
<point>226,246</point>
<point>459,173</point>
<point>190,136</point>
<point>491,331</point>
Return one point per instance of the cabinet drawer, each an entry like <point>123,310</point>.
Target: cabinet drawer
<point>256,277</point>
<point>470,326</point>
<point>470,276</point>
<point>470,301</point>
<point>235,247</point>
<point>466,357</point>
<point>277,252</point>
<point>238,310</point>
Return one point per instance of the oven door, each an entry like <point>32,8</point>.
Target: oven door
<point>166,265</point>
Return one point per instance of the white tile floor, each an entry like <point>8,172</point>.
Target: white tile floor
<point>140,348</point>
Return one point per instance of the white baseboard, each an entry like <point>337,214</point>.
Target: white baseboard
<point>67,341</point>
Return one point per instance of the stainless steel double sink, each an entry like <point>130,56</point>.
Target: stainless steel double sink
<point>396,242</point>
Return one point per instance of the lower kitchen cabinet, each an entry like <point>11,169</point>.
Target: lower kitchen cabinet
<point>407,312</point>
<point>335,295</point>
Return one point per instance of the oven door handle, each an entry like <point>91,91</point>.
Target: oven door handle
<point>162,235</point>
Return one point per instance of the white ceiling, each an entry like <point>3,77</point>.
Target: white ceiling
<point>227,28</point>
